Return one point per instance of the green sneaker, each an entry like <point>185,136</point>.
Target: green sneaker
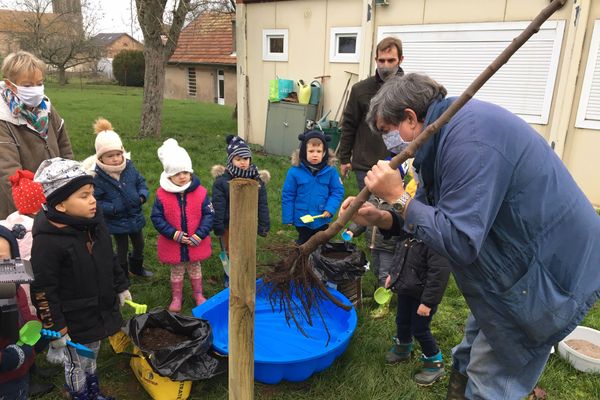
<point>433,370</point>
<point>400,352</point>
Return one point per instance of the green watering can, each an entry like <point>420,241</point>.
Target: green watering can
<point>382,295</point>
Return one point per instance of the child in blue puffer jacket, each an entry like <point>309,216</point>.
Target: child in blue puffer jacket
<point>120,191</point>
<point>312,186</point>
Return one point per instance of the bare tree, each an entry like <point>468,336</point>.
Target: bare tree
<point>161,28</point>
<point>63,39</point>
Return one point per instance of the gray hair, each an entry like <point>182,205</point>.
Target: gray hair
<point>414,91</point>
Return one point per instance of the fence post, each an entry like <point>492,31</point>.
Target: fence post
<point>242,286</point>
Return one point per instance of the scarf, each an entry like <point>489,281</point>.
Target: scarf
<point>250,173</point>
<point>314,168</point>
<point>114,171</point>
<point>37,118</point>
<point>170,187</point>
<point>424,162</point>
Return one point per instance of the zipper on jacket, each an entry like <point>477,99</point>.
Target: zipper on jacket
<point>184,227</point>
<point>403,263</point>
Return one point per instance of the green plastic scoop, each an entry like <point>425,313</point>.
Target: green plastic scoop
<point>30,333</point>
<point>307,219</point>
<point>382,295</point>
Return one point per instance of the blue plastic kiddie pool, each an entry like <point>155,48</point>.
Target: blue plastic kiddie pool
<point>282,352</point>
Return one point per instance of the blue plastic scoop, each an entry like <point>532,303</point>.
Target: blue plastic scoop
<point>81,349</point>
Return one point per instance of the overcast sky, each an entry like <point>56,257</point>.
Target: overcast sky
<point>117,17</point>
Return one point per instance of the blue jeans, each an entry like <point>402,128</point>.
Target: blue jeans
<point>410,324</point>
<point>488,378</point>
<point>360,178</point>
<point>381,263</point>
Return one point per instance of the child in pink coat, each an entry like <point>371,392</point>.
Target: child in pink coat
<point>183,215</point>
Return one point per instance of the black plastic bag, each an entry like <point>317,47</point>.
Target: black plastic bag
<point>189,360</point>
<point>329,261</point>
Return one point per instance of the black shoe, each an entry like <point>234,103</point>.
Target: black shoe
<point>144,273</point>
<point>136,267</point>
<point>39,388</point>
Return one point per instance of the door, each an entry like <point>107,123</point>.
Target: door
<point>220,86</point>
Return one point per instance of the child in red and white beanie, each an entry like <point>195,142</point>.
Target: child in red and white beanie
<point>28,197</point>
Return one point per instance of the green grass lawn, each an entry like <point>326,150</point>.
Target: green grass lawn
<point>360,373</point>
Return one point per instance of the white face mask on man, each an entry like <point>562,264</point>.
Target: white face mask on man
<point>394,142</point>
<point>31,96</point>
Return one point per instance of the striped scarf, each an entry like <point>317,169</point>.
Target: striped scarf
<point>250,173</point>
<point>36,118</point>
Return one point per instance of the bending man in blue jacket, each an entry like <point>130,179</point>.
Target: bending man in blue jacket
<point>523,240</point>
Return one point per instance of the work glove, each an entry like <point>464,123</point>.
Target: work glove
<point>195,240</point>
<point>124,295</point>
<point>56,350</point>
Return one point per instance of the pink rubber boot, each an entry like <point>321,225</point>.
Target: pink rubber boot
<point>197,288</point>
<point>177,291</point>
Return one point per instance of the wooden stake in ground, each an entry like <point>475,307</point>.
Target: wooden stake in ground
<point>287,270</point>
<point>242,286</point>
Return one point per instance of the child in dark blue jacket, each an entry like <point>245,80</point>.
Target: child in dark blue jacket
<point>239,165</point>
<point>120,190</point>
<point>312,186</point>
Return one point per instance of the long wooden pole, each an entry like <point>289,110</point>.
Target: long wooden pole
<point>243,224</point>
<point>323,236</point>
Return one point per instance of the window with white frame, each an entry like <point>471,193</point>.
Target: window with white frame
<point>588,112</point>
<point>275,44</point>
<point>455,54</point>
<point>344,45</point>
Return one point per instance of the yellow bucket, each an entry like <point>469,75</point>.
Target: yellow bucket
<point>157,386</point>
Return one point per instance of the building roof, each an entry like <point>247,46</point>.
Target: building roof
<point>208,39</point>
<point>106,39</point>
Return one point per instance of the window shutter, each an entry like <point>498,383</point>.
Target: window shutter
<point>588,112</point>
<point>455,54</point>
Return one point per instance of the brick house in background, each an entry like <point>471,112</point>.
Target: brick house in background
<point>112,44</point>
<point>203,66</point>
<point>12,23</point>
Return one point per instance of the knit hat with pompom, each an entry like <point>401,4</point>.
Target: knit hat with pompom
<point>106,139</point>
<point>174,158</point>
<point>28,195</point>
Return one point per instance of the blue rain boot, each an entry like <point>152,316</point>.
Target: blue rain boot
<point>433,370</point>
<point>93,388</point>
<point>400,352</point>
<point>83,395</point>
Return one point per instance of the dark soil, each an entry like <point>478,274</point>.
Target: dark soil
<point>336,255</point>
<point>159,338</point>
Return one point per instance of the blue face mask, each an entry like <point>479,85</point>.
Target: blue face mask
<point>394,142</point>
